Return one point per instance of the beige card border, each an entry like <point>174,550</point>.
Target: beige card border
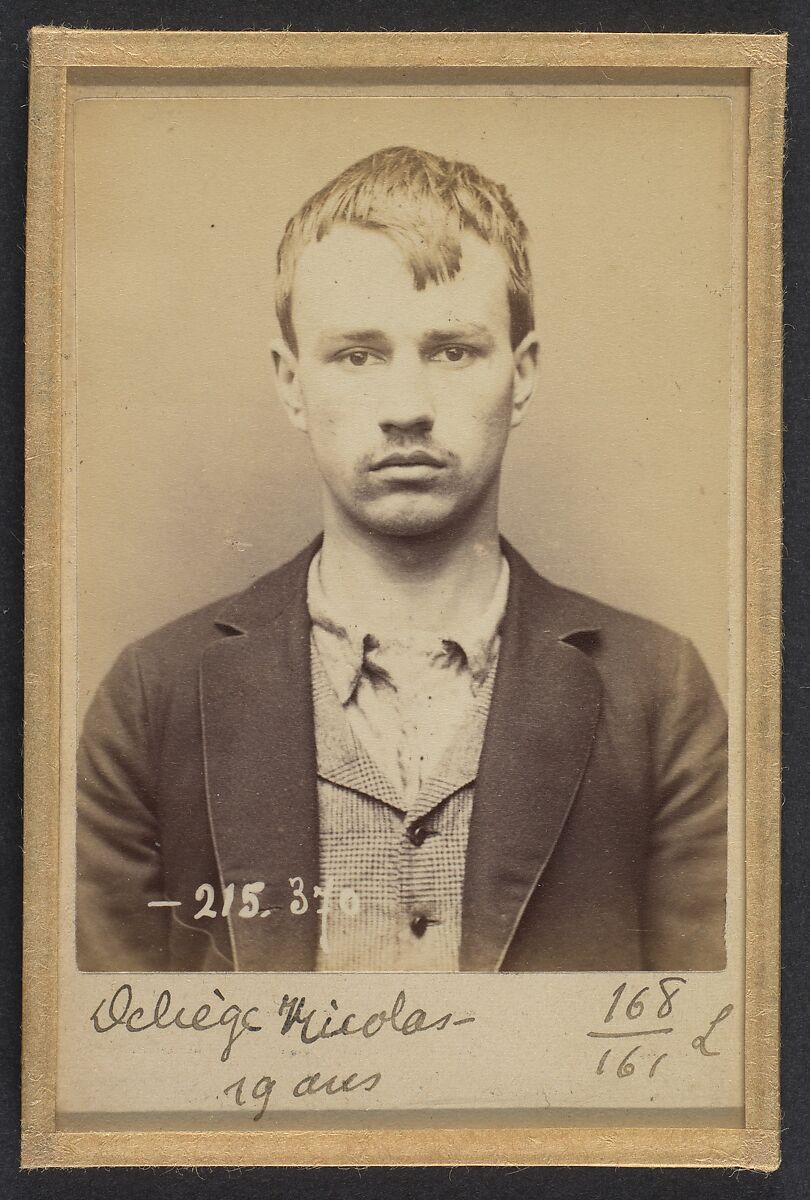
<point>53,52</point>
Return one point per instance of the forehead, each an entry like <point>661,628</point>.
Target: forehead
<point>361,278</point>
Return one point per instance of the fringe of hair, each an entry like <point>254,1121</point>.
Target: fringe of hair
<point>423,202</point>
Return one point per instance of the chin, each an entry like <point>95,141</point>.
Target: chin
<point>409,521</point>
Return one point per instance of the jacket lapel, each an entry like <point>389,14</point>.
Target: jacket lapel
<point>541,728</point>
<point>261,781</point>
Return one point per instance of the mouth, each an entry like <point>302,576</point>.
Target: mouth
<point>400,461</point>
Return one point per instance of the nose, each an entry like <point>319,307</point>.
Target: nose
<point>405,401</point>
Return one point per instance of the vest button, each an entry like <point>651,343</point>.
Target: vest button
<point>417,835</point>
<point>419,924</point>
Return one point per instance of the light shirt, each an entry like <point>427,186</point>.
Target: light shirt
<point>399,724</point>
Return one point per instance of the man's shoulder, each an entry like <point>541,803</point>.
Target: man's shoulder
<point>629,651</point>
<point>581,618</point>
<point>242,611</point>
<point>637,659</point>
<point>615,625</point>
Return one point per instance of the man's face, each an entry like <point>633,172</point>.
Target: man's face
<point>407,396</point>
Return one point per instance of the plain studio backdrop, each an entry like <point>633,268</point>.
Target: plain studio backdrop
<point>191,483</point>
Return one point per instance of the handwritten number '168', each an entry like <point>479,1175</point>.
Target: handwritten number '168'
<point>635,1008</point>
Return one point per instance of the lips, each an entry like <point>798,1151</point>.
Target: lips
<point>417,458</point>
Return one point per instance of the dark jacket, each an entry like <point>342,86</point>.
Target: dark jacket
<point>598,834</point>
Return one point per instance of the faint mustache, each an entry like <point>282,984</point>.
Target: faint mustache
<point>415,456</point>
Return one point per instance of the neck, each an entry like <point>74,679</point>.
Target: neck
<point>401,583</point>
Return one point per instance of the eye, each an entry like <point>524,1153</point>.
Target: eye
<point>453,354</point>
<point>357,357</point>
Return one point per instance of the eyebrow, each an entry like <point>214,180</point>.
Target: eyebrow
<point>432,337</point>
<point>346,336</point>
<point>459,333</point>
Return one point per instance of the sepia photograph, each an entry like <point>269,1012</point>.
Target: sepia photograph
<point>472,767</point>
<point>408,436</point>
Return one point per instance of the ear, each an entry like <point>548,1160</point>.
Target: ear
<point>285,365</point>
<point>525,356</point>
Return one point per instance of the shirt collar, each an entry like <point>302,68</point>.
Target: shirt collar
<point>343,643</point>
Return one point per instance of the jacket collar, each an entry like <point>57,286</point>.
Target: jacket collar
<point>260,604</point>
<point>561,612</point>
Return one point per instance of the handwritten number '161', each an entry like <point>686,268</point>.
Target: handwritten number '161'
<point>626,1067</point>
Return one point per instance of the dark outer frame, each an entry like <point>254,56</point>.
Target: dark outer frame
<point>521,16</point>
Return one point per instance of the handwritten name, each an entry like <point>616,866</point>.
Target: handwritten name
<point>312,1024</point>
<point>120,1012</point>
<point>123,1011</point>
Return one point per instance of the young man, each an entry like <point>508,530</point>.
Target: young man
<point>405,750</point>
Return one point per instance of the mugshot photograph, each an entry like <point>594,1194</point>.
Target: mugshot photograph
<point>405,749</point>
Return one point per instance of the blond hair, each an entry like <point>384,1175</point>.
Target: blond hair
<point>423,203</point>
